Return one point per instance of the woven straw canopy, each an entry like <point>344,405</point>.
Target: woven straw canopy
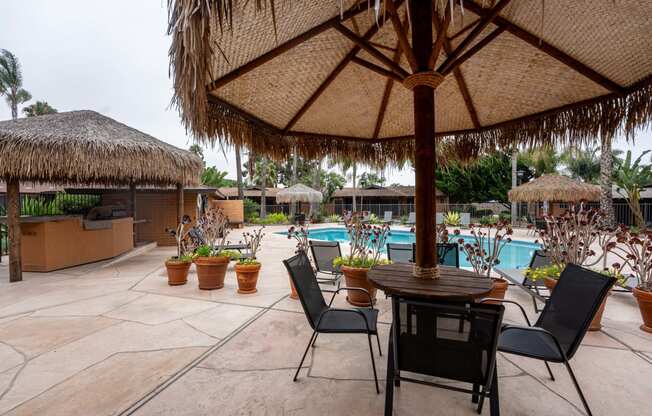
<point>334,78</point>
<point>87,147</point>
<point>554,188</point>
<point>298,193</point>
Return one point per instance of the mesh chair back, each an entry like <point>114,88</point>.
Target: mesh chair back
<point>572,305</point>
<point>324,252</point>
<point>305,282</point>
<point>539,259</point>
<point>412,218</point>
<point>400,253</point>
<point>430,340</point>
<point>387,216</point>
<point>448,254</point>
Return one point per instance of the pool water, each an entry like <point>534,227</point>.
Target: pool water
<point>516,254</point>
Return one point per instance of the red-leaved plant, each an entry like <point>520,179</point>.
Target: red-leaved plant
<point>488,241</point>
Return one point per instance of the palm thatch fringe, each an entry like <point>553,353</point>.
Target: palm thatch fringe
<point>88,148</point>
<point>556,188</point>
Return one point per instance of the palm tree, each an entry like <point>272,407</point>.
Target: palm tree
<point>606,180</point>
<point>514,207</point>
<point>41,108</point>
<point>295,162</point>
<point>582,163</point>
<point>541,160</point>
<point>11,82</point>
<point>263,187</point>
<point>632,177</point>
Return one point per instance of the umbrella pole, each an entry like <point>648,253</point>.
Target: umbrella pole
<point>424,136</point>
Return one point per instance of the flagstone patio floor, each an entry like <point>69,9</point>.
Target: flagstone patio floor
<point>113,338</point>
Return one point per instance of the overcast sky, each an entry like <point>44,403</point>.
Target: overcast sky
<point>111,57</point>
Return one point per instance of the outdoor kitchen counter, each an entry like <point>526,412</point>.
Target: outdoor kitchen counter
<point>52,243</point>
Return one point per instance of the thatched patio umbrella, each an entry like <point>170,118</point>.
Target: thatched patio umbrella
<point>333,78</point>
<point>299,193</point>
<point>84,147</point>
<point>554,188</point>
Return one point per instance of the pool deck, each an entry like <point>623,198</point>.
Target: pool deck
<point>114,338</point>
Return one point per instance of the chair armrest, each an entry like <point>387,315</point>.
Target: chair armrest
<point>371,302</point>
<point>527,320</point>
<point>356,311</point>
<point>537,329</point>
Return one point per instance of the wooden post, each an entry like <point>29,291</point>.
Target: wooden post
<point>132,207</point>
<point>13,226</point>
<point>179,203</point>
<point>424,136</point>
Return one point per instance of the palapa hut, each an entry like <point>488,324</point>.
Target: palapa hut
<point>84,147</point>
<point>299,193</point>
<point>556,189</point>
<point>331,77</point>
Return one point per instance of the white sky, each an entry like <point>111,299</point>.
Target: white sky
<point>111,57</point>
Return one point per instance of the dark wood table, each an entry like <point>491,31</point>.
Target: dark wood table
<point>453,283</point>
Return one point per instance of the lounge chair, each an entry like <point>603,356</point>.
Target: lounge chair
<point>518,278</point>
<point>324,252</point>
<point>465,218</point>
<point>561,326</point>
<point>387,217</point>
<point>325,319</point>
<point>429,342</point>
<point>412,218</point>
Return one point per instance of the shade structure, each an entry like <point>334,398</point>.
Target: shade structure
<point>556,188</point>
<point>83,147</point>
<point>331,78</point>
<point>89,148</point>
<point>298,193</point>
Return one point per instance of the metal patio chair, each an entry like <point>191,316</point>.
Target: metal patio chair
<point>448,254</point>
<point>325,319</point>
<point>561,326</point>
<point>323,253</point>
<point>532,287</point>
<point>387,217</point>
<point>400,253</point>
<point>425,339</point>
<point>412,218</point>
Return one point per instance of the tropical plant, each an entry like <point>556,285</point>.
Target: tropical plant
<point>333,218</point>
<point>39,207</point>
<point>368,179</point>
<point>582,163</point>
<point>488,241</point>
<point>211,176</point>
<point>552,271</point>
<point>213,227</point>
<point>11,82</point>
<point>274,218</point>
<point>631,177</point>
<point>541,160</point>
<point>38,109</point>
<point>366,244</point>
<point>197,149</point>
<point>251,209</point>
<point>453,219</point>
<point>635,251</point>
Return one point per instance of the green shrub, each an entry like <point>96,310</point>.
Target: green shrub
<point>271,219</point>
<point>483,212</point>
<point>203,251</point>
<point>373,219</point>
<point>39,207</point>
<point>505,216</point>
<point>76,204</point>
<point>403,219</point>
<point>251,209</point>
<point>488,219</point>
<point>333,218</point>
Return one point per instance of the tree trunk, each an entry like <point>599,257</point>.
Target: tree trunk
<point>514,184</point>
<point>354,177</point>
<point>179,203</point>
<point>635,205</point>
<point>295,161</point>
<point>424,137</point>
<point>263,188</point>
<point>14,233</point>
<point>606,178</point>
<point>316,184</point>
<point>238,170</point>
<point>14,104</point>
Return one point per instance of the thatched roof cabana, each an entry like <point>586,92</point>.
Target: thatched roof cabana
<point>298,193</point>
<point>85,147</point>
<point>333,78</point>
<point>554,188</point>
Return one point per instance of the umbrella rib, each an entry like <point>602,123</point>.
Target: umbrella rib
<point>290,44</point>
<point>401,34</point>
<point>385,100</point>
<point>375,68</point>
<point>441,35</point>
<point>485,20</point>
<point>550,50</point>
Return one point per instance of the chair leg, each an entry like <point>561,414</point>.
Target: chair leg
<point>494,403</point>
<point>389,382</point>
<point>577,387</point>
<point>380,351</point>
<point>552,377</point>
<point>314,340</point>
<point>304,355</point>
<point>373,363</point>
<point>474,395</point>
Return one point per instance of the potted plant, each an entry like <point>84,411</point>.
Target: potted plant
<point>635,249</point>
<point>570,238</point>
<point>366,244</point>
<point>301,236</point>
<point>247,269</point>
<point>484,251</point>
<point>179,265</point>
<point>210,260</point>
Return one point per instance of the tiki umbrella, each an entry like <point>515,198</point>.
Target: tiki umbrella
<point>299,193</point>
<point>555,188</point>
<point>334,78</point>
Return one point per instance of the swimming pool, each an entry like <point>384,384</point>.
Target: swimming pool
<point>516,254</point>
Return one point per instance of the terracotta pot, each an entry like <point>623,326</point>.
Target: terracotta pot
<point>357,277</point>
<point>177,272</point>
<point>644,299</point>
<point>247,277</point>
<point>596,323</point>
<point>211,271</point>
<point>498,290</point>
<point>293,290</point>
